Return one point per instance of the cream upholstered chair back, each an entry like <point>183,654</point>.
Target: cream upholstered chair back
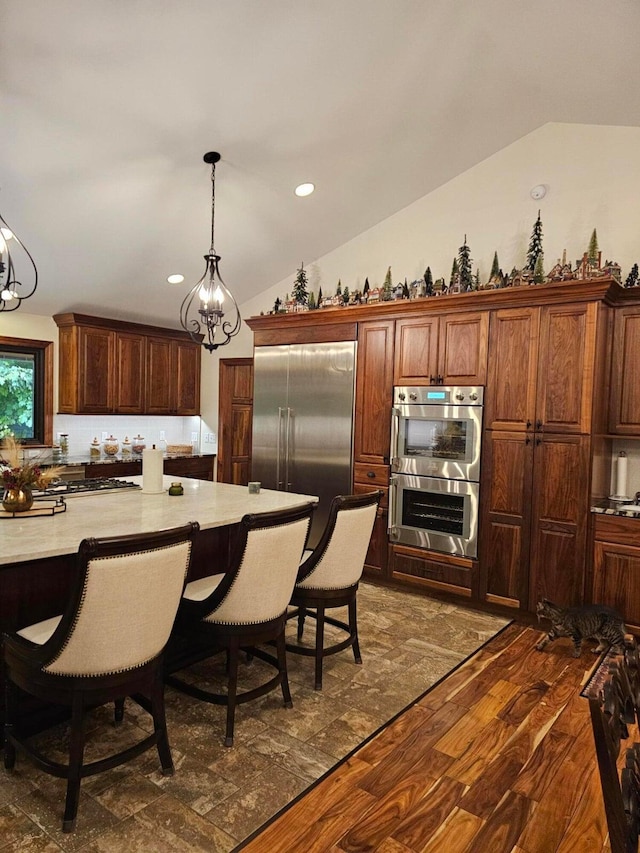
<point>126,606</point>
<point>338,560</point>
<point>260,586</point>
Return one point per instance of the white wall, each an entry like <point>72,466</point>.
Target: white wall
<point>592,174</point>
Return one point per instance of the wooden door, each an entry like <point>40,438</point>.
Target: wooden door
<point>462,348</point>
<point>616,579</point>
<point>235,414</point>
<point>505,520</point>
<point>559,518</point>
<point>566,364</point>
<point>510,397</point>
<point>160,376</point>
<point>130,372</point>
<point>186,359</point>
<point>96,349</point>
<point>374,388</point>
<point>416,351</point>
<point>624,412</point>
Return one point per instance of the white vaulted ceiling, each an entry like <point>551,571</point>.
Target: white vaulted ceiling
<point>107,107</point>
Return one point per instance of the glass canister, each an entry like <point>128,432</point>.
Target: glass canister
<point>63,441</point>
<point>126,447</point>
<point>137,444</point>
<point>111,446</point>
<point>94,448</point>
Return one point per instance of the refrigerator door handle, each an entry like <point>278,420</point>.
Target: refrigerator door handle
<point>287,451</point>
<point>278,449</point>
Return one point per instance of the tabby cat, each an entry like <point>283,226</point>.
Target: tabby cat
<point>594,620</point>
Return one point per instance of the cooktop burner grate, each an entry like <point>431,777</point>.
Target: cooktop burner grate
<point>75,488</point>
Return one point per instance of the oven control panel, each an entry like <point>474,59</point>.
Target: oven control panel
<point>439,395</point>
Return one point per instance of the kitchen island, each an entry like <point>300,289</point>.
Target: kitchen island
<point>38,554</point>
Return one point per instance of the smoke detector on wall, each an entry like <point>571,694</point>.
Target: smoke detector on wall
<point>538,192</point>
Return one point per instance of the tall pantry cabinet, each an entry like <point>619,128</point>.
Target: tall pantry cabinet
<point>536,455</point>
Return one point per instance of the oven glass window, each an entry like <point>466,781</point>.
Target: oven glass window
<point>438,438</point>
<point>435,511</point>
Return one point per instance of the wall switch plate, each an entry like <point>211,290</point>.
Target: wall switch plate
<point>162,436</point>
<point>194,436</point>
<point>105,435</point>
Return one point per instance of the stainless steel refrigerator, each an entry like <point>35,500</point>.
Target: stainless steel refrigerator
<point>303,421</point>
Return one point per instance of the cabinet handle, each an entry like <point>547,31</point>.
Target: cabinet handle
<point>528,424</point>
<point>433,379</point>
<point>371,475</point>
<point>538,441</point>
<point>527,440</point>
<point>440,380</point>
<point>538,424</point>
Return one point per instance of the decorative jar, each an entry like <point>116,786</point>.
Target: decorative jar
<point>137,444</point>
<point>126,447</point>
<point>94,448</point>
<point>17,499</point>
<point>111,446</point>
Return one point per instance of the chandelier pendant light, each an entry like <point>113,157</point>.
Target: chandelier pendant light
<point>15,260</point>
<point>209,313</point>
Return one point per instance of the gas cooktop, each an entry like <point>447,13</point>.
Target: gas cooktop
<point>76,488</point>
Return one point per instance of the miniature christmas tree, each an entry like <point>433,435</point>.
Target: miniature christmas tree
<point>538,270</point>
<point>535,245</point>
<point>464,267</point>
<point>592,251</point>
<point>320,297</point>
<point>345,296</point>
<point>300,292</point>
<point>476,279</point>
<point>632,278</point>
<point>454,273</point>
<point>405,290</point>
<point>495,267</point>
<point>387,287</point>
<point>312,301</point>
<point>339,288</point>
<point>428,282</point>
<point>365,291</point>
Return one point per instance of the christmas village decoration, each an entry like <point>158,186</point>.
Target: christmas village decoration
<point>462,279</point>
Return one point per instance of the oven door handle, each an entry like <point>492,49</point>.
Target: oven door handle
<point>395,434</point>
<point>393,489</point>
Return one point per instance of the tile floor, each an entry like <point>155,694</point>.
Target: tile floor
<point>219,796</point>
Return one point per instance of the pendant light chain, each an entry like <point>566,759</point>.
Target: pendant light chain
<point>213,205</point>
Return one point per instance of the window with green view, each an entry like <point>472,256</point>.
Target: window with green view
<point>19,394</point>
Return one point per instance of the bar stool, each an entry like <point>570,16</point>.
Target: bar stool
<point>108,644</point>
<point>329,575</point>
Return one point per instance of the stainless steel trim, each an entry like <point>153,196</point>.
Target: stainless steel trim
<point>278,449</point>
<point>392,507</point>
<point>287,451</point>
<point>434,395</point>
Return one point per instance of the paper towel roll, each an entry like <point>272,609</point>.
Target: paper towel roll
<point>621,475</point>
<point>152,463</point>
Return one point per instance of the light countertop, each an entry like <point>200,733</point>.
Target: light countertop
<point>133,511</point>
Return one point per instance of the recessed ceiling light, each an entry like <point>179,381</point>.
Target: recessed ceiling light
<point>304,189</point>
<point>175,279</point>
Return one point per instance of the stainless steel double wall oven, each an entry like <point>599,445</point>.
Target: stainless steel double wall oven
<point>435,445</point>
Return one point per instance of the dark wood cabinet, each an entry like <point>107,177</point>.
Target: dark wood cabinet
<point>624,411</point>
<point>449,350</point>
<point>374,389</point>
<point>195,467</point>
<point>113,367</point>
<point>173,377</point>
<point>541,368</point>
<point>366,478</point>
<point>534,518</point>
<point>616,566</point>
<point>235,414</point>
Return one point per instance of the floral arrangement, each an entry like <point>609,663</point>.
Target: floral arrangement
<point>17,473</point>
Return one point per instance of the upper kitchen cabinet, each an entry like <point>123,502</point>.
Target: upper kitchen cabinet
<point>450,349</point>
<point>173,377</point>
<point>374,381</point>
<point>113,367</point>
<point>541,368</point>
<point>624,412</point>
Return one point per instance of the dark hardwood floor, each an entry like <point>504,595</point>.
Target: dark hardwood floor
<point>497,758</point>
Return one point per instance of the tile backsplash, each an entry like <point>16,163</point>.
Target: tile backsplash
<point>632,449</point>
<point>82,429</point>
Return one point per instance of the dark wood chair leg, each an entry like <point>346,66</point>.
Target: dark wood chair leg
<point>232,689</point>
<point>160,725</point>
<point>319,645</point>
<point>76,755</point>
<point>118,712</point>
<point>353,629</point>
<point>302,612</point>
<point>282,666</point>
<point>11,708</point>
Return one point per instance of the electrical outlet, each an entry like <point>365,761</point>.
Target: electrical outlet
<point>213,438</point>
<point>105,435</point>
<point>162,436</point>
<point>194,437</point>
